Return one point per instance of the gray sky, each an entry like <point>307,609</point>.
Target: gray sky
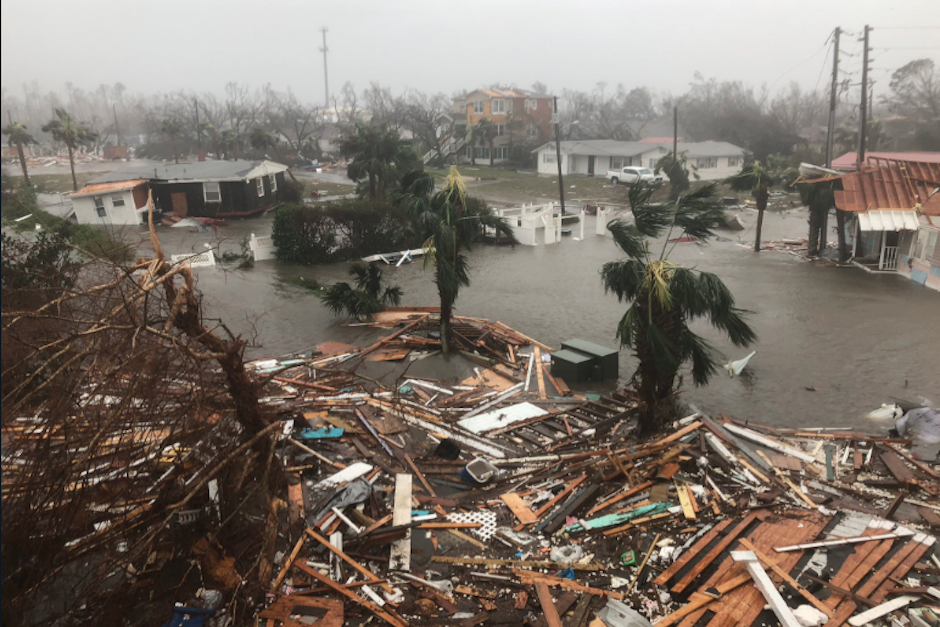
<point>166,45</point>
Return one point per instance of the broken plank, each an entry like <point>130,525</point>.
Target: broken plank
<point>529,577</point>
<point>400,555</point>
<point>723,544</point>
<point>878,611</point>
<point>420,476</point>
<point>359,568</point>
<point>550,612</point>
<point>793,583</point>
<point>518,507</point>
<point>538,373</point>
<point>896,467</point>
<point>386,615</point>
<point>691,552</point>
<point>492,562</point>
<point>767,588</point>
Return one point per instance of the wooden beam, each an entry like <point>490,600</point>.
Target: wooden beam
<point>878,611</point>
<point>691,552</point>
<point>492,562</point>
<point>287,564</point>
<point>545,599</point>
<point>538,373</point>
<point>359,568</point>
<point>518,507</point>
<point>400,556</point>
<point>793,583</point>
<point>386,615</point>
<point>723,544</point>
<point>420,476</point>
<point>767,588</point>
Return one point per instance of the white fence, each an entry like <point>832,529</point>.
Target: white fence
<point>262,247</point>
<point>195,260</point>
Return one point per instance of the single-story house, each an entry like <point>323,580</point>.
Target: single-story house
<point>211,189</point>
<point>893,217</point>
<point>593,157</point>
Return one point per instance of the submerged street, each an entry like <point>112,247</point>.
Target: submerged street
<point>856,339</point>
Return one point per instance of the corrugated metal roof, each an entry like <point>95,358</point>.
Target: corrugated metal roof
<point>888,221</point>
<point>892,185</point>
<point>106,188</point>
<point>847,161</point>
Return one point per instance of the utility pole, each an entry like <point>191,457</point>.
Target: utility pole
<point>675,133</point>
<point>198,129</point>
<point>326,79</point>
<point>561,184</point>
<point>117,132</point>
<point>863,106</point>
<point>830,135</point>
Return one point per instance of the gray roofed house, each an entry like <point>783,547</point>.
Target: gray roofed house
<point>237,170</point>
<point>711,160</point>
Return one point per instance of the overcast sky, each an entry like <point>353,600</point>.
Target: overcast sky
<point>165,45</point>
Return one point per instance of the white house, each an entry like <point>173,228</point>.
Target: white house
<point>710,160</point>
<point>121,202</point>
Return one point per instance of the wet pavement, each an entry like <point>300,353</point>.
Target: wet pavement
<point>855,338</point>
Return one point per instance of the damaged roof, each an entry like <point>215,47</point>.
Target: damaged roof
<point>891,185</point>
<point>237,170</point>
<point>848,160</point>
<point>106,188</point>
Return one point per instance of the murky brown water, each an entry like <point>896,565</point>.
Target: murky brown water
<point>856,338</point>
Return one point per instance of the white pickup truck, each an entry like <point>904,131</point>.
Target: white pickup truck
<point>631,174</point>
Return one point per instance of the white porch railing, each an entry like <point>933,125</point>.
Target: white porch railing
<point>889,258</point>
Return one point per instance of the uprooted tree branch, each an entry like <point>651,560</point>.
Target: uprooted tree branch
<point>123,410</point>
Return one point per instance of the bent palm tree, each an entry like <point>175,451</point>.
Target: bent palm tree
<point>366,299</point>
<point>449,227</point>
<point>666,298</point>
<point>18,135</point>
<point>378,155</point>
<point>172,128</point>
<point>757,179</point>
<point>261,139</point>
<point>72,133</point>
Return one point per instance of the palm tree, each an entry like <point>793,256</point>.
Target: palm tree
<point>18,135</point>
<point>665,298</point>
<point>379,155</point>
<point>172,128</point>
<point>450,226</point>
<point>677,171</point>
<point>366,299</point>
<point>757,179</point>
<point>210,128</point>
<point>261,139</point>
<point>476,135</point>
<point>72,133</point>
<point>229,140</point>
<point>487,132</point>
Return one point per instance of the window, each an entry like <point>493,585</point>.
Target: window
<point>259,183</point>
<point>501,152</point>
<point>704,163</point>
<point>620,162</point>
<point>117,200</point>
<point>734,161</point>
<point>273,183</point>
<point>531,104</point>
<point>469,152</point>
<point>99,207</point>
<point>500,130</point>
<point>211,192</point>
<point>548,157</point>
<point>499,106</point>
<point>478,107</point>
<point>483,152</point>
<point>532,130</point>
<point>652,163</point>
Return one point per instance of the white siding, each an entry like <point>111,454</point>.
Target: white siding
<point>85,212</point>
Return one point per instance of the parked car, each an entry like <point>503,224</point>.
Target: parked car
<point>631,174</point>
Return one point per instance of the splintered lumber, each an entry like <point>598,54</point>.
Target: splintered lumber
<point>518,507</point>
<point>386,615</point>
<point>287,564</point>
<point>881,610</point>
<point>538,373</point>
<point>359,568</point>
<point>767,588</point>
<point>400,555</point>
<point>529,578</point>
<point>723,544</point>
<point>420,476</point>
<point>690,554</point>
<point>789,483</point>
<point>793,583</point>
<point>558,497</point>
<point>768,443</point>
<point>913,461</point>
<point>482,561</point>
<point>639,570</point>
<point>557,518</point>
<point>685,501</point>
<point>549,611</point>
<point>900,533</point>
<point>896,467</point>
<point>616,499</point>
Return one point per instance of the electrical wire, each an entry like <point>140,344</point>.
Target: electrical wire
<point>827,43</point>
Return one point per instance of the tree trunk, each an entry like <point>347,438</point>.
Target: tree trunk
<point>447,308</point>
<point>812,246</point>
<point>762,196</point>
<point>840,225</point>
<point>491,154</point>
<point>655,385</point>
<point>19,151</point>
<point>72,166</point>
<point>176,158</point>
<point>372,190</point>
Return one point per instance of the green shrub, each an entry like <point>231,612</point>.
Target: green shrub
<point>310,235</point>
<point>292,191</point>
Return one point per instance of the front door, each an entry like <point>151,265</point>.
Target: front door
<point>180,207</point>
<point>591,165</point>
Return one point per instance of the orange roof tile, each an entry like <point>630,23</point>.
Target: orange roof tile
<point>106,188</point>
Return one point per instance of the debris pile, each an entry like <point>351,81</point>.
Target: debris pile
<point>502,496</point>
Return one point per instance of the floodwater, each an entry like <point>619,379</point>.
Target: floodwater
<point>834,343</point>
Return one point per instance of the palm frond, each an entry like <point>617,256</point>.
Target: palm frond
<point>703,357</point>
<point>665,352</point>
<point>651,218</point>
<point>698,212</point>
<point>628,327</point>
<point>623,278</point>
<point>628,238</point>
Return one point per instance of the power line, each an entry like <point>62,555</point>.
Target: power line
<point>828,42</point>
<point>908,28</point>
<point>909,48</point>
